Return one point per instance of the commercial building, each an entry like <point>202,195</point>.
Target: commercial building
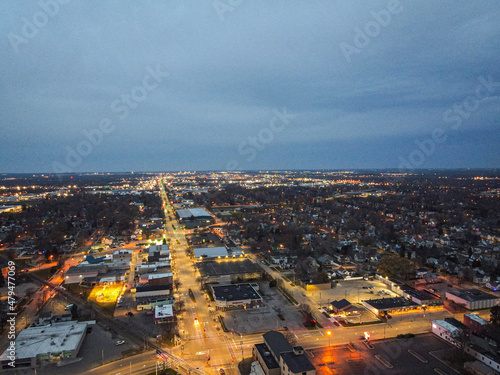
<point>149,303</point>
<point>39,345</point>
<point>338,307</point>
<point>277,357</point>
<point>383,306</point>
<point>473,299</point>
<point>483,347</point>
<point>159,251</point>
<point>476,324</point>
<point>447,331</point>
<point>152,291</point>
<point>153,267</point>
<point>194,216</point>
<point>228,270</point>
<point>421,297</point>
<point>164,314</point>
<point>233,296</point>
<point>488,357</point>
<point>163,278</point>
<point>76,274</point>
<point>210,253</point>
<point>123,255</point>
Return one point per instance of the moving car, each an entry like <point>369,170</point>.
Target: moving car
<point>120,342</point>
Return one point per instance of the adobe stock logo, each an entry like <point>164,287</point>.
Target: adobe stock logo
<point>31,27</point>
<point>222,7</point>
<point>372,29</point>
<point>455,115</point>
<point>121,107</point>
<point>264,137</point>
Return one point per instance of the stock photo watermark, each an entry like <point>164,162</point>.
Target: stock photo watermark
<point>11,314</point>
<point>393,350</point>
<point>253,144</point>
<point>120,107</point>
<point>32,25</point>
<point>224,6</point>
<point>372,29</point>
<point>455,115</point>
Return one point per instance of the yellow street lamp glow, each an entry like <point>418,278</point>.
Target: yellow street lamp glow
<point>329,333</point>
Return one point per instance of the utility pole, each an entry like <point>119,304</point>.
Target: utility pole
<point>241,343</point>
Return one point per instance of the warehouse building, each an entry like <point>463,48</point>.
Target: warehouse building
<point>225,271</point>
<point>36,346</point>
<point>206,253</point>
<point>194,216</point>
<point>473,299</point>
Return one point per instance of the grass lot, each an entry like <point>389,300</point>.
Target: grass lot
<point>288,296</point>
<point>44,274</point>
<point>105,294</point>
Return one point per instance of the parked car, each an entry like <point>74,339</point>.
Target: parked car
<point>120,342</point>
<point>69,307</point>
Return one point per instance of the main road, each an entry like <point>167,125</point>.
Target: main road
<point>200,332</point>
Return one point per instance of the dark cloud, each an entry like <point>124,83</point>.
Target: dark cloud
<point>227,77</point>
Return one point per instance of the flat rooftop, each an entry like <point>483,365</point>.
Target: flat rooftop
<point>448,326</point>
<point>390,303</point>
<point>477,319</point>
<point>227,267</point>
<point>210,252</point>
<point>234,292</point>
<point>83,268</point>
<point>297,363</point>
<point>164,311</point>
<point>193,213</point>
<point>422,295</point>
<point>266,355</point>
<point>472,295</point>
<point>58,337</point>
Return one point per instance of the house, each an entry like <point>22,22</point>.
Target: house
<point>433,261</point>
<point>493,285</point>
<point>312,263</point>
<point>326,260</point>
<point>421,272</point>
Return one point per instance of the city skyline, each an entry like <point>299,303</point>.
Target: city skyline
<point>248,86</point>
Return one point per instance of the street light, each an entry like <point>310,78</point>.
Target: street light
<point>329,333</point>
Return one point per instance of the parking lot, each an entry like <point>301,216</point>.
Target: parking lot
<point>412,357</point>
<point>355,292</point>
<point>98,345</point>
<point>265,318</point>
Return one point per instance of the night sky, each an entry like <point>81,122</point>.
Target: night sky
<point>246,85</point>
